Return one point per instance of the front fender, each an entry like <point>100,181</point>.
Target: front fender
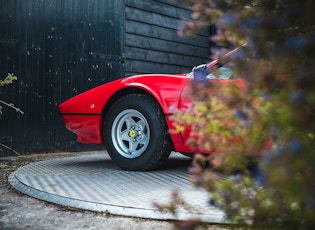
<point>166,90</point>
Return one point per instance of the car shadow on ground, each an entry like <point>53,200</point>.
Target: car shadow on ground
<point>175,162</point>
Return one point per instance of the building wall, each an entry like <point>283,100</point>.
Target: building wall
<point>57,49</point>
<point>152,42</point>
<point>60,48</point>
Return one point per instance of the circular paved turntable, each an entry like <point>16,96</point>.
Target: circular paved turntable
<point>92,182</point>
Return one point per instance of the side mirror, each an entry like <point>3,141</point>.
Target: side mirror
<point>200,73</point>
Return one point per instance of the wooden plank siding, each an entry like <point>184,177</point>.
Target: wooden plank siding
<point>57,49</point>
<point>152,43</point>
<point>60,48</point>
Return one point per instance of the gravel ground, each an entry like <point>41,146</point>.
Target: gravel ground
<point>19,211</point>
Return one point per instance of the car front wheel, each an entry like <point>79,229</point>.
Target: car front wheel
<point>136,134</point>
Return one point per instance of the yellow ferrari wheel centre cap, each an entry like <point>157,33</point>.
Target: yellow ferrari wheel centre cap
<point>132,133</point>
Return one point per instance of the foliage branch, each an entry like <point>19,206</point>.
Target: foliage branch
<point>8,80</point>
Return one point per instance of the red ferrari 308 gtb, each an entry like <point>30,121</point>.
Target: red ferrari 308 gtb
<point>132,116</point>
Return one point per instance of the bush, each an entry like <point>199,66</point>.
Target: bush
<point>277,108</point>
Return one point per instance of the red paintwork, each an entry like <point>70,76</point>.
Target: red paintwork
<point>83,114</point>
<point>87,128</point>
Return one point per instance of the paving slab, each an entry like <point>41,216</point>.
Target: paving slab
<point>93,182</point>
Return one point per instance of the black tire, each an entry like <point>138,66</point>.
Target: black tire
<point>136,134</point>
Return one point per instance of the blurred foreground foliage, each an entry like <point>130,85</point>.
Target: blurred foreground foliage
<point>274,116</point>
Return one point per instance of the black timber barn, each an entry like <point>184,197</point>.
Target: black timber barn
<point>60,48</point>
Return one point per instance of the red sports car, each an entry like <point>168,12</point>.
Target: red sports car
<point>132,116</point>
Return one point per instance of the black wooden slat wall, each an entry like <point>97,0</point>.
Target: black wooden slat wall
<point>152,43</point>
<point>59,48</point>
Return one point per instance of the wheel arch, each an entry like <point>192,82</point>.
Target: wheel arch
<point>124,92</point>
<point>168,103</point>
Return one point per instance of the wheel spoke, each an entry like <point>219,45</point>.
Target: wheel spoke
<point>124,135</point>
<point>129,122</point>
<point>144,140</point>
<point>133,146</point>
<point>141,124</point>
